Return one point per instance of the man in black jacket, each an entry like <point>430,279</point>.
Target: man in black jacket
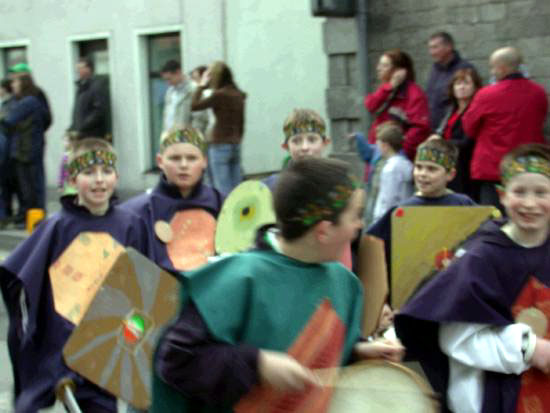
<point>91,112</point>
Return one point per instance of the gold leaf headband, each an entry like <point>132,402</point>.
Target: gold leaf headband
<point>436,156</point>
<point>325,208</point>
<point>525,164</point>
<point>304,126</point>
<point>87,159</point>
<point>185,135</point>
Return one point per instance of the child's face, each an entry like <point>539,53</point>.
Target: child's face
<point>95,186</point>
<point>306,144</point>
<point>527,202</point>
<point>431,179</point>
<point>349,223</point>
<point>384,147</point>
<point>183,164</point>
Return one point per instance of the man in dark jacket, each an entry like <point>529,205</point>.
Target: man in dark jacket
<point>446,62</point>
<point>91,112</point>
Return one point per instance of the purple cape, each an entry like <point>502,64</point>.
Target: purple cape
<point>162,203</point>
<point>479,287</point>
<point>36,354</point>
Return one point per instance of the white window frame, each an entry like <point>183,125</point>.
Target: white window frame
<point>7,44</point>
<point>142,81</point>
<point>73,53</point>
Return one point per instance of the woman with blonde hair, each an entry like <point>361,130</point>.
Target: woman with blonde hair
<point>228,103</point>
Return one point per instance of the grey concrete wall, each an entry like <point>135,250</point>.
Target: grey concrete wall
<point>478,26</point>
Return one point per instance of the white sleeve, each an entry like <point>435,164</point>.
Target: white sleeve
<point>486,347</point>
<point>389,188</point>
<point>473,348</point>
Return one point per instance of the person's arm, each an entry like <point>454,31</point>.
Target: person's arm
<point>366,150</point>
<point>375,100</point>
<point>418,117</point>
<point>388,194</point>
<point>486,347</point>
<point>20,110</point>
<point>473,117</point>
<point>200,103</point>
<point>98,111</point>
<point>191,361</point>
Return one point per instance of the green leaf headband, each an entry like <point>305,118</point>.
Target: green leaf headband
<point>322,209</point>
<point>185,135</point>
<point>304,126</point>
<point>525,164</point>
<point>87,159</point>
<point>436,156</point>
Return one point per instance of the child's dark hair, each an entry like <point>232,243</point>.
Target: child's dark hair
<point>391,133</point>
<point>441,146</point>
<point>311,190</point>
<point>510,160</point>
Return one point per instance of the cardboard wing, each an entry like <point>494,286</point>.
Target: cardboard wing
<point>373,274</point>
<point>113,344</point>
<point>424,240</point>
<point>79,271</point>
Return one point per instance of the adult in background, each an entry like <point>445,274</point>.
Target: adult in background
<point>24,126</point>
<point>501,117</point>
<point>7,179</point>
<point>463,86</point>
<point>446,62</point>
<point>399,98</point>
<point>177,100</point>
<point>23,69</point>
<point>91,111</point>
<point>228,103</point>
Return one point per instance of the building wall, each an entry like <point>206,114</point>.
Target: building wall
<point>274,49</point>
<point>478,26</point>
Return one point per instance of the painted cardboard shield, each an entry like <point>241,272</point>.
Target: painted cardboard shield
<point>373,274</point>
<point>424,240</point>
<point>248,207</point>
<point>79,271</point>
<point>113,344</point>
<point>193,239</point>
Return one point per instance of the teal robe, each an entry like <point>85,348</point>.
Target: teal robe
<point>264,299</point>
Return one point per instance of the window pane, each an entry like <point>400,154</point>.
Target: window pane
<point>161,48</point>
<point>14,55</point>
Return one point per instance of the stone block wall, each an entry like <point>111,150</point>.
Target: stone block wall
<point>478,26</point>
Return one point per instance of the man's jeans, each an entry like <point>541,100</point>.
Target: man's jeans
<point>224,160</point>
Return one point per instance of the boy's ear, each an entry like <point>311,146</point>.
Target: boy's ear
<point>158,158</point>
<point>72,181</point>
<point>451,175</point>
<point>326,141</point>
<point>322,231</point>
<point>284,146</point>
<point>501,192</point>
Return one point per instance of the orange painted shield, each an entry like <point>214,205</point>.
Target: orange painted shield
<point>193,240</point>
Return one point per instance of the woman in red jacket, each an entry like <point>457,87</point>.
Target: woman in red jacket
<point>399,98</point>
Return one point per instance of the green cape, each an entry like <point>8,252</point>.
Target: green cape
<point>264,299</point>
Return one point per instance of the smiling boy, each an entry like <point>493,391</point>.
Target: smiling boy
<point>485,318</point>
<point>37,332</point>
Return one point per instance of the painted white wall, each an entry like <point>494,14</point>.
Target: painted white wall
<point>274,48</point>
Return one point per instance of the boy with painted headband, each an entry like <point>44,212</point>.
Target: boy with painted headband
<point>37,333</point>
<point>484,319</point>
<point>434,168</point>
<point>305,135</point>
<point>181,211</point>
<point>253,326</point>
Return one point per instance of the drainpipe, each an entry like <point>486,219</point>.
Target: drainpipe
<point>361,18</point>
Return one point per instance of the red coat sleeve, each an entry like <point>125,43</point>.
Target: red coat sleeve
<point>473,117</point>
<point>373,101</point>
<point>418,116</point>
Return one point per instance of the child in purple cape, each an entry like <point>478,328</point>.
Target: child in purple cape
<point>480,327</point>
